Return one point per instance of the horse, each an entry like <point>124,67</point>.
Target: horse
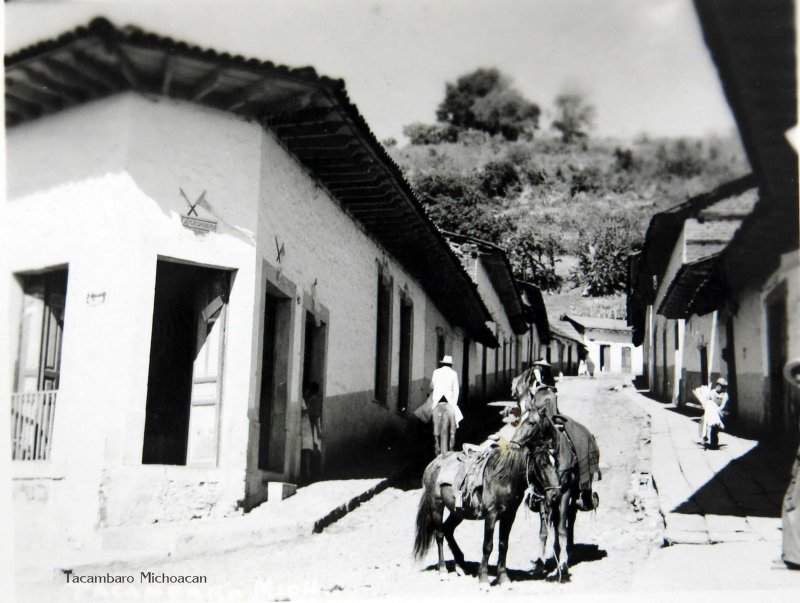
<point>444,427</point>
<point>569,496</point>
<point>524,390</point>
<point>505,471</point>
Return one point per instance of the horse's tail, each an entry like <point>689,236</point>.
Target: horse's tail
<point>425,528</point>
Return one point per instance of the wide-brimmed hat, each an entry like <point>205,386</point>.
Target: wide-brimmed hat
<point>721,382</point>
<point>448,360</point>
<point>788,368</point>
<point>541,362</point>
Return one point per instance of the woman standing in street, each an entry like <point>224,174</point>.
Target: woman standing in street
<point>790,514</point>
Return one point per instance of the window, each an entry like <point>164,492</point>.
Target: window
<point>677,341</point>
<point>186,354</point>
<point>38,364</point>
<point>383,338</point>
<point>440,344</point>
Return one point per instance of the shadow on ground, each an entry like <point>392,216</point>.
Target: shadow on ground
<point>752,485</point>
<point>414,451</point>
<point>581,553</point>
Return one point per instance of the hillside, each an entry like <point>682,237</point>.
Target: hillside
<point>565,212</point>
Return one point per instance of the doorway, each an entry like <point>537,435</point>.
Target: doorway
<point>605,359</point>
<point>404,368</point>
<point>274,381</point>
<point>776,358</point>
<point>187,350</point>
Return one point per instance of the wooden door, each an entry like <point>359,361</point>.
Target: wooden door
<point>202,448</point>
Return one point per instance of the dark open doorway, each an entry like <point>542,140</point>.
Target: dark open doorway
<point>406,331</point>
<point>186,356</point>
<point>274,381</point>
<point>776,358</point>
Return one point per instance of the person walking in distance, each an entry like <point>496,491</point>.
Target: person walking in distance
<point>444,385</point>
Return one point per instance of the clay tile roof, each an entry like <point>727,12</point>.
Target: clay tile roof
<point>309,114</point>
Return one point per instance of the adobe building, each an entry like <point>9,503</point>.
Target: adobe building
<point>740,295</point>
<point>608,344</point>
<point>519,321</point>
<point>569,349</point>
<point>194,237</point>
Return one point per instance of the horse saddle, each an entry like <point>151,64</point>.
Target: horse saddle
<point>464,473</point>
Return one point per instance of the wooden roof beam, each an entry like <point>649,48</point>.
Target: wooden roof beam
<point>64,73</point>
<point>44,81</point>
<point>131,73</point>
<point>22,107</point>
<point>33,96</point>
<point>312,130</point>
<point>245,94</point>
<point>301,117</point>
<point>98,71</point>
<point>167,70</point>
<point>333,183</point>
<point>361,191</point>
<point>205,85</point>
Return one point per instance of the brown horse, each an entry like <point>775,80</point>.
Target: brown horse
<point>505,475</point>
<point>571,493</point>
<point>444,427</point>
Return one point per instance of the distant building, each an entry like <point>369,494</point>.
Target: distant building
<point>569,350</point>
<point>716,289</point>
<point>194,237</point>
<point>519,321</point>
<point>608,344</point>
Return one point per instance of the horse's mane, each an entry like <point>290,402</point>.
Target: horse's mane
<point>507,463</point>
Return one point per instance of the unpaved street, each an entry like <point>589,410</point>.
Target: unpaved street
<point>368,552</point>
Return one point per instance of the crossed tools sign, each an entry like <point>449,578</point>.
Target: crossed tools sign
<point>200,200</point>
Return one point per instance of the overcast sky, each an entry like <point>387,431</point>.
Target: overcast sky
<point>643,63</point>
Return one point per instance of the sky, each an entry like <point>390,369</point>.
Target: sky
<point>642,63</point>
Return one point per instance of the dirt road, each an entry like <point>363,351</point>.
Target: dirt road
<point>367,554</point>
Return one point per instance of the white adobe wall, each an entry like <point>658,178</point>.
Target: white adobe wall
<point>324,245</point>
<point>104,199</point>
<point>752,361</point>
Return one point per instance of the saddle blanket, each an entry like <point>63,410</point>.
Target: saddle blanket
<point>586,451</point>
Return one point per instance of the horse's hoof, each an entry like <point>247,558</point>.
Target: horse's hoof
<point>504,582</point>
<point>484,586</point>
<point>460,570</point>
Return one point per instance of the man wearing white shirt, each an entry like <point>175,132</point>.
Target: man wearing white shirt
<point>444,383</point>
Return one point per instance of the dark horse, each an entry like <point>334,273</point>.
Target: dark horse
<point>506,474</point>
<point>444,427</point>
<point>571,494</point>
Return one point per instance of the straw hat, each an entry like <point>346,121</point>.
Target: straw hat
<point>448,360</point>
<point>788,368</point>
<point>722,382</point>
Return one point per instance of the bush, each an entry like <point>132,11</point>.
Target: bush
<point>533,252</point>
<point>419,133</point>
<point>602,255</point>
<point>500,179</point>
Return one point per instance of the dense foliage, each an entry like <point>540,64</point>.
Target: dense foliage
<point>485,100</point>
<point>568,209</point>
<point>568,214</point>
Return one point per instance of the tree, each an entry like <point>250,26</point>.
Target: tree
<point>603,255</point>
<point>533,253</point>
<point>485,100</point>
<point>574,116</point>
